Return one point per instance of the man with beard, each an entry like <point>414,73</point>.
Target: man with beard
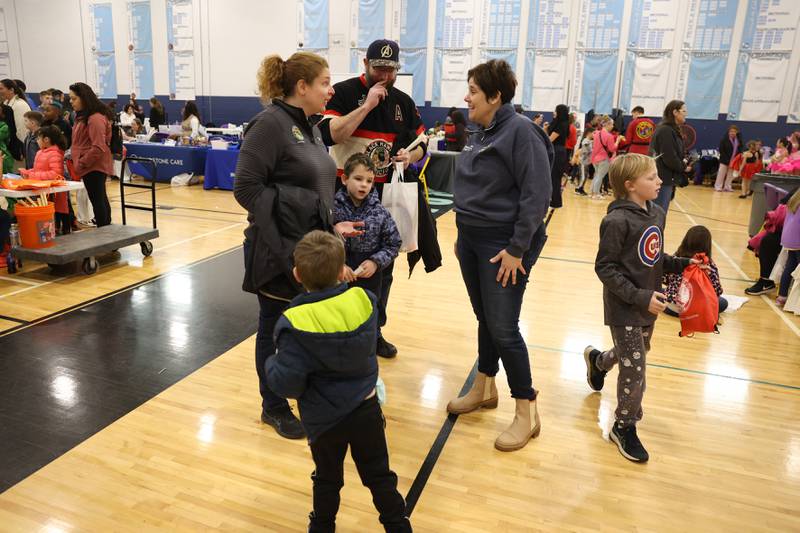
<point>369,114</point>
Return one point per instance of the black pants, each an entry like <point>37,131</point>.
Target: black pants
<point>559,164</point>
<point>768,253</point>
<point>95,183</point>
<point>362,431</point>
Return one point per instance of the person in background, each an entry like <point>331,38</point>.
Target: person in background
<point>748,164</point>
<point>54,117</point>
<point>24,89</point>
<point>137,109</point>
<point>730,145</point>
<point>157,114</point>
<point>91,153</point>
<point>130,133</point>
<point>559,132</point>
<point>668,149</point>
<point>45,98</point>
<point>191,124</point>
<point>33,121</point>
<point>538,119</point>
<point>14,98</point>
<point>783,148</point>
<point>696,241</point>
<point>5,136</point>
<point>455,133</point>
<point>604,149</point>
<point>583,158</point>
<point>639,132</point>
<point>790,240</point>
<point>127,116</point>
<point>67,113</point>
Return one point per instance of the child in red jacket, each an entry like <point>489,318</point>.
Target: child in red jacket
<point>49,165</point>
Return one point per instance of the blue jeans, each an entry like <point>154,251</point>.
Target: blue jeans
<point>496,307</point>
<point>665,196</point>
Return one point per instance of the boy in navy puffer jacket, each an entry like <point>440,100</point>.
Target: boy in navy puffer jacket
<point>325,357</point>
<point>373,251</point>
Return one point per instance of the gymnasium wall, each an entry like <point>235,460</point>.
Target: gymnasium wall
<point>728,59</point>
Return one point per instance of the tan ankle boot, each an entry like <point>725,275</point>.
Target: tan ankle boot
<point>482,394</point>
<point>521,429</point>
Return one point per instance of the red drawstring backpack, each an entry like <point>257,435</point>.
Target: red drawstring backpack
<point>698,300</point>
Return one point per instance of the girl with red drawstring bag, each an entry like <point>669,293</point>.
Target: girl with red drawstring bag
<point>697,299</point>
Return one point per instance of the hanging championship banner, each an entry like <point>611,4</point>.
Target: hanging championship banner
<point>645,82</point>
<point>757,97</point>
<point>545,73</point>
<point>548,24</point>
<point>594,78</point>
<point>450,68</point>
<point>794,106</point>
<point>700,83</point>
<point>653,24</point>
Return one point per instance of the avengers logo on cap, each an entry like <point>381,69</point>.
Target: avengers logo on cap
<point>650,246</point>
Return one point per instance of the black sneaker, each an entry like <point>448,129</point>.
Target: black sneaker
<point>594,376</point>
<point>580,192</point>
<point>285,423</point>
<point>385,348</point>
<point>762,286</point>
<point>629,444</point>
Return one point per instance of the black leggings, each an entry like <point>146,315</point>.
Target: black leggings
<point>95,183</point>
<point>768,253</point>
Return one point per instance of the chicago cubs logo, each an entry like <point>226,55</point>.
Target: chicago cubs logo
<point>644,130</point>
<point>650,246</point>
<point>380,152</point>
<point>386,51</point>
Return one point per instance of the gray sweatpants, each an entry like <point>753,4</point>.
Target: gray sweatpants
<point>631,344</point>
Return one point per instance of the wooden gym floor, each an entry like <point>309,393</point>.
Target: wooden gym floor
<point>720,410</point>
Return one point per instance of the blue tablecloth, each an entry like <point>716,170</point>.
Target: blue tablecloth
<point>220,166</point>
<point>171,160</point>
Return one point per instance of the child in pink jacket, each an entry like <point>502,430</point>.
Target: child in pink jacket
<point>49,165</point>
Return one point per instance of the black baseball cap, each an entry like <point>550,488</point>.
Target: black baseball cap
<point>384,53</point>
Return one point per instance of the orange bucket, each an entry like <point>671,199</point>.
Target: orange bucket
<point>37,226</point>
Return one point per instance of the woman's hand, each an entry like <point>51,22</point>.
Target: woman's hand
<point>509,265</point>
<point>703,266</point>
<point>348,229</point>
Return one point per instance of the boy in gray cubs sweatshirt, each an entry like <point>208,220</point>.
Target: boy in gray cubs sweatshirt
<point>630,262</point>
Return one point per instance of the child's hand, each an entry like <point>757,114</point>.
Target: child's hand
<point>348,275</point>
<point>366,269</point>
<point>658,302</point>
<point>702,265</point>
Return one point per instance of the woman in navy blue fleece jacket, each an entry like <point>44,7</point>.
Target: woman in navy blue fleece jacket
<point>502,190</point>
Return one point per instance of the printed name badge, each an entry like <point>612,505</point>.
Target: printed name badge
<point>650,246</point>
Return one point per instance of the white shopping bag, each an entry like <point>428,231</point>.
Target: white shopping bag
<point>780,264</point>
<point>85,212</point>
<point>400,200</point>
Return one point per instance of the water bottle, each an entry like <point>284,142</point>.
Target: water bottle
<point>11,261</point>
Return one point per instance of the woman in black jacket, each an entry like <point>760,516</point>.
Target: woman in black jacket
<point>667,146</point>
<point>730,145</point>
<point>157,114</point>
<point>558,130</point>
<point>285,179</point>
